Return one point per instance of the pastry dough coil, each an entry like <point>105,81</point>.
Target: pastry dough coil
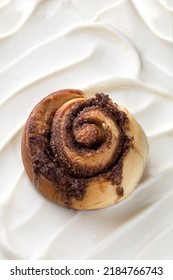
<point>83,153</point>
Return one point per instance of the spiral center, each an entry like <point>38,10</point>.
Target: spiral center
<point>89,135</point>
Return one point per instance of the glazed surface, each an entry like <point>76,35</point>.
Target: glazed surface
<point>98,48</point>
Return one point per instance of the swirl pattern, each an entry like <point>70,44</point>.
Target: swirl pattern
<point>74,141</point>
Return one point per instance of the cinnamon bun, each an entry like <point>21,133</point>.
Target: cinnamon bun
<point>83,153</point>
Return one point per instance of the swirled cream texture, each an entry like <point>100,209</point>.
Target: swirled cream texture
<point>123,48</point>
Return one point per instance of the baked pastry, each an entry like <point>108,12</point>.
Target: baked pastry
<point>83,153</point>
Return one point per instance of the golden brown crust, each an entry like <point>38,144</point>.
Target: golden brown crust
<point>79,154</point>
<point>53,102</point>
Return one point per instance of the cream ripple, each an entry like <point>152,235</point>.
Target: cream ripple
<point>100,42</point>
<point>145,40</point>
<point>11,165</point>
<point>127,243</point>
<point>156,112</point>
<point>4,3</point>
<point>30,214</point>
<point>155,70</point>
<point>45,251</point>
<point>17,200</point>
<point>168,4</point>
<point>145,195</point>
<point>160,245</point>
<point>8,251</point>
<point>90,10</point>
<point>157,18</point>
<point>161,68</point>
<point>49,19</point>
<point>50,74</point>
<point>14,14</point>
<point>121,214</point>
<point>13,136</point>
<point>163,159</point>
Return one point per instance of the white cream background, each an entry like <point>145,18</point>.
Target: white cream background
<point>123,48</point>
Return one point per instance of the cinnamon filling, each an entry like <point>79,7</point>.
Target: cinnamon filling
<point>82,132</point>
<point>89,135</point>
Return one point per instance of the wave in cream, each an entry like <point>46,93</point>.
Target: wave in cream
<point>13,15</point>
